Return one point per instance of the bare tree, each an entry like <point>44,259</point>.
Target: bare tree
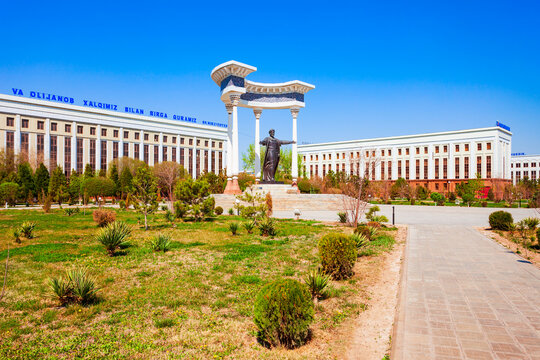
<point>362,169</point>
<point>167,174</point>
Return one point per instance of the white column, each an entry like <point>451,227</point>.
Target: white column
<point>508,159</point>
<point>194,159</point>
<point>257,113</point>
<point>160,151</point>
<point>141,146</point>
<point>121,144</point>
<point>451,161</point>
<point>378,165</point>
<point>210,157</point>
<point>74,147</point>
<point>472,161</point>
<point>98,148</point>
<point>412,163</point>
<point>394,164</point>
<point>495,158</point>
<point>229,146</point>
<point>235,98</point>
<point>319,163</point>
<point>17,139</point>
<point>47,144</point>
<point>431,162</point>
<point>294,160</point>
<point>178,150</point>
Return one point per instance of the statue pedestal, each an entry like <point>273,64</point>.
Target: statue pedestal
<point>232,187</point>
<point>274,188</point>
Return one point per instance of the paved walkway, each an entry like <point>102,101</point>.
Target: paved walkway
<point>466,297</point>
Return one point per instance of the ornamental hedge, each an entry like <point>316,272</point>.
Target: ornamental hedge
<point>501,220</point>
<point>338,255</point>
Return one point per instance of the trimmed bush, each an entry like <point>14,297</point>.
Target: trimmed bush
<point>103,217</point>
<point>501,220</point>
<point>283,312</point>
<point>218,210</point>
<point>338,255</point>
<point>231,211</point>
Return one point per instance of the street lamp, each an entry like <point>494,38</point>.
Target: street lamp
<point>297,214</point>
<point>237,207</point>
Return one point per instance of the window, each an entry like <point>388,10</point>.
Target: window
<point>466,147</point>
<point>67,154</point>
<point>79,129</point>
<point>436,149</point>
<point>436,168</point>
<point>182,140</point>
<point>390,170</point>
<point>488,146</point>
<point>126,149</point>
<point>445,148</point>
<point>220,158</point>
<point>137,136</point>
<point>488,167</point>
<point>80,156</point>
<point>407,169</point>
<point>164,153</point>
<point>399,151</point>
<point>533,164</point>
<point>146,137</point>
<point>115,133</point>
<point>190,141</point>
<point>466,167</point>
<point>146,154</point>
<point>173,153</point>
<point>92,131</point>
<point>24,123</point>
<point>389,152</point>
<point>174,141</point>
<point>206,143</point>
<point>425,169</point>
<point>205,165</point>
<point>156,154</point>
<point>456,163</point>
<point>10,121</point>
<point>525,165</point>
<point>40,145</point>
<point>399,168</point>
<point>382,170</point>
<point>104,155</point>
<point>518,165</point>
<point>418,167</point>
<point>417,151</point>
<point>136,150</point>
<point>457,148</point>
<point>24,144</point>
<point>190,160</point>
<point>324,170</point>
<point>329,156</point>
<point>54,126</point>
<point>479,145</point>
<point>103,132</point>
<point>445,168</point>
<point>324,157</point>
<point>382,153</point>
<point>93,152</point>
<point>337,156</point>
<point>533,175</point>
<point>115,150</point>
<point>479,165</point>
<point>40,125</point>
<point>220,146</point>
<point>10,140</point>
<point>198,142</point>
<point>156,138</point>
<point>425,149</point>
<point>53,148</point>
<point>126,134</point>
<point>67,128</point>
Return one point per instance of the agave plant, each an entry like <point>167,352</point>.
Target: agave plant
<point>317,282</point>
<point>62,289</point>
<point>82,285</point>
<point>27,229</point>
<point>114,236</point>
<point>69,211</point>
<point>371,232</point>
<point>267,227</point>
<point>233,227</point>
<point>169,216</point>
<point>531,223</point>
<point>360,240</point>
<point>249,226</point>
<point>17,235</point>
<point>160,242</point>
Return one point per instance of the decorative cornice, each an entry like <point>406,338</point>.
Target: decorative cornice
<point>229,108</point>
<point>294,112</point>
<point>235,98</point>
<point>257,113</point>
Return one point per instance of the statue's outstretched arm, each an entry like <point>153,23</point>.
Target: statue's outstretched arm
<point>285,142</point>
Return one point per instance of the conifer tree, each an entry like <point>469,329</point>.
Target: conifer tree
<point>144,192</point>
<point>57,185</point>
<point>25,179</point>
<point>41,180</point>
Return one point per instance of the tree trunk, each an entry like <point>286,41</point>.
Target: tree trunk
<point>145,222</point>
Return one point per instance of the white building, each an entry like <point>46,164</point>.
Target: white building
<point>59,133</point>
<point>525,166</point>
<point>437,160</point>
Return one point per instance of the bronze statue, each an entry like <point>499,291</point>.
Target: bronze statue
<point>271,157</point>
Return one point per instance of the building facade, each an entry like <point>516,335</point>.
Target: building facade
<point>525,167</point>
<point>72,136</point>
<point>437,161</point>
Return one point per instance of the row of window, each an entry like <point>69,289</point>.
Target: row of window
<point>80,128</point>
<point>372,153</point>
<point>533,176</point>
<point>525,165</point>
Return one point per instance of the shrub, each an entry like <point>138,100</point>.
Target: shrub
<point>538,235</point>
<point>359,240</point>
<point>531,223</point>
<point>484,203</point>
<point>500,220</point>
<point>69,211</point>
<point>78,287</point>
<point>452,197</point>
<point>233,227</point>
<point>249,226</point>
<point>317,283</point>
<point>283,312</point>
<point>61,290</point>
<point>438,198</point>
<point>372,212</point>
<point>160,242</point>
<point>122,204</point>
<point>370,231</point>
<point>180,209</point>
<point>114,236</point>
<point>378,219</point>
<point>269,204</point>
<point>164,208</point>
<point>103,217</point>
<point>169,215</point>
<point>218,210</point>
<point>342,217</point>
<point>267,227</point>
<point>47,202</point>
<point>338,255</point>
<point>17,235</point>
<point>231,211</point>
<point>27,229</point>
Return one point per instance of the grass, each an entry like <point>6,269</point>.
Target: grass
<point>194,301</point>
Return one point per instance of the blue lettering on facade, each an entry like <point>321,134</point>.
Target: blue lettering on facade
<point>501,125</point>
<point>17,92</point>
<point>100,105</point>
<point>134,110</point>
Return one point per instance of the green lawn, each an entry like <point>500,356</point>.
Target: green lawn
<point>194,301</point>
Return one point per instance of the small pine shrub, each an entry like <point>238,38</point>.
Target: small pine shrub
<point>218,210</point>
<point>160,242</point>
<point>338,255</point>
<point>249,226</point>
<point>317,283</point>
<point>180,209</point>
<point>233,227</point>
<point>27,229</point>
<point>103,217</point>
<point>17,235</point>
<point>231,211</point>
<point>342,217</point>
<point>267,227</point>
<point>283,312</point>
<point>114,236</point>
<point>47,202</point>
<point>501,220</point>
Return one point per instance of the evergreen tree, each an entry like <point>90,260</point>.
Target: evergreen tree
<point>88,172</point>
<point>125,181</point>
<point>75,186</point>
<point>57,185</point>
<point>144,192</point>
<point>41,179</point>
<point>114,177</point>
<point>102,173</point>
<point>25,179</point>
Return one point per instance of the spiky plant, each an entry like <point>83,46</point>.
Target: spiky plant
<point>360,240</point>
<point>83,286</point>
<point>317,282</point>
<point>233,227</point>
<point>169,216</point>
<point>27,229</point>
<point>69,211</point>
<point>160,242</point>
<point>371,232</point>
<point>532,223</point>
<point>249,226</point>
<point>114,236</point>
<point>62,289</point>
<point>17,235</point>
<point>267,227</point>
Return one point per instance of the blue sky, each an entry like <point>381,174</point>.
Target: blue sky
<point>380,68</point>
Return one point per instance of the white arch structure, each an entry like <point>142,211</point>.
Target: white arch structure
<point>236,91</point>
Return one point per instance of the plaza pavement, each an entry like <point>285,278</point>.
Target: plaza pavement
<point>462,296</point>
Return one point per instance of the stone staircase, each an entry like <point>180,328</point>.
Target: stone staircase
<point>290,202</point>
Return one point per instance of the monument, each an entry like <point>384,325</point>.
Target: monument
<point>237,91</point>
<point>271,156</point>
